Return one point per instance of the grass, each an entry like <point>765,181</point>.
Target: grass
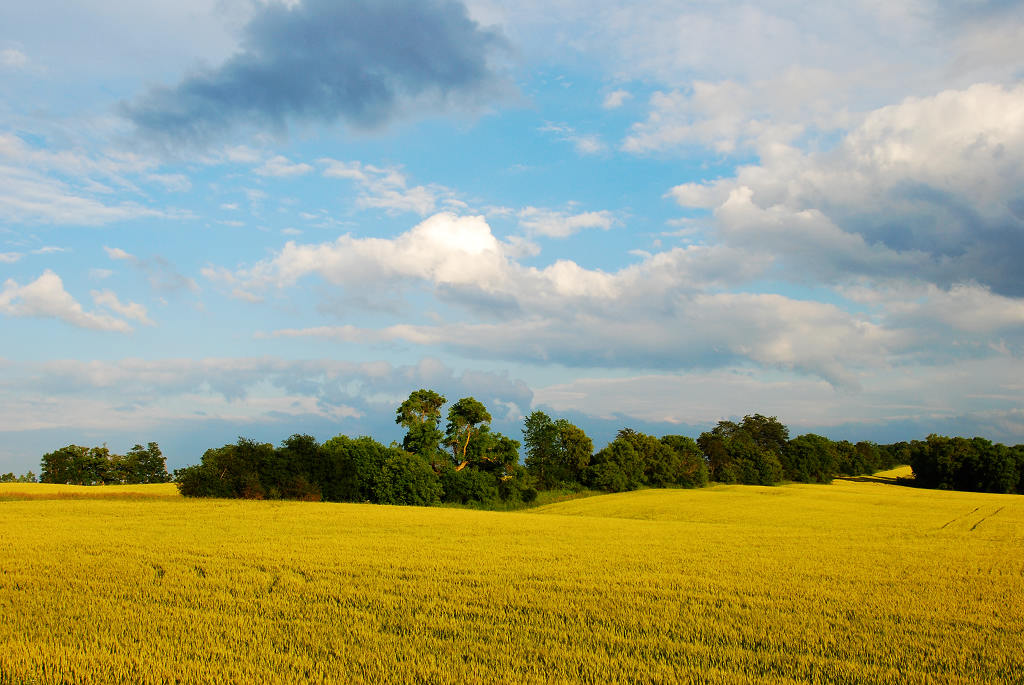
<point>858,581</point>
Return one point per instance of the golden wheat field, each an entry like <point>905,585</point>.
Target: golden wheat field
<point>858,581</point>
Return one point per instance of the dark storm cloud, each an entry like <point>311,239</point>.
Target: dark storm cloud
<point>358,61</point>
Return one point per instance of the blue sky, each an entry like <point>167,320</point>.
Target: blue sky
<point>241,217</point>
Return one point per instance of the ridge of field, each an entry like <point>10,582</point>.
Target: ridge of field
<point>790,504</point>
<point>29,491</point>
<point>859,581</point>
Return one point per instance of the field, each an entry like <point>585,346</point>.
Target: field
<point>858,581</point>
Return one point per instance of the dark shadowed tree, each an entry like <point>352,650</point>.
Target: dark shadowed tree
<point>692,467</point>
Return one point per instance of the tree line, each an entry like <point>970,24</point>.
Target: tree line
<point>965,464</point>
<point>10,477</point>
<point>466,462</point>
<point>78,465</point>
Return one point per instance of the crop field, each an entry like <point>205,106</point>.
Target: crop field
<point>858,581</point>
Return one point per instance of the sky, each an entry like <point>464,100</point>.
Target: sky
<point>224,218</point>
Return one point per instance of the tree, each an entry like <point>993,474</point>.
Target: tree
<point>617,467</point>
<point>557,452</point>
<point>406,478</point>
<point>352,467</point>
<point>767,431</point>
<point>146,465</point>
<point>69,465</point>
<point>809,458</point>
<point>693,468</point>
<point>574,451</point>
<point>540,437</point>
<point>421,416</point>
<point>247,469</point>
<point>466,418</point>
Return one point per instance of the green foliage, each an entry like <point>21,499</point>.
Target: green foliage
<point>692,469</point>
<point>77,465</point>
<point>750,452</point>
<point>809,458</point>
<point>421,416</point>
<point>468,486</point>
<point>557,452</point>
<point>146,465</point>
<point>616,468</point>
<point>967,464</point>
<point>466,418</point>
<point>406,479</point>
<point>352,467</point>
<point>540,436</point>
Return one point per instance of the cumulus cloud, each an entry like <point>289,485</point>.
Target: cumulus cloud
<point>927,189</point>
<point>658,312</point>
<point>788,73</point>
<point>46,297</point>
<point>681,308</point>
<point>359,62</point>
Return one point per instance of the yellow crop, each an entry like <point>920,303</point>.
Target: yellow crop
<point>853,582</point>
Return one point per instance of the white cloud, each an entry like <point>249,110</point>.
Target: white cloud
<point>49,249</point>
<point>70,186</point>
<point>561,224</point>
<point>928,189</point>
<point>12,58</point>
<point>130,310</point>
<point>282,167</point>
<point>174,183</point>
<point>616,99</point>
<point>118,253</point>
<point>585,143</point>
<point>10,257</point>
<point>28,197</point>
<point>45,297</point>
<point>387,188</point>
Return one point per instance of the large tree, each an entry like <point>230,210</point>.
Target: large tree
<point>421,416</point>
<point>466,418</point>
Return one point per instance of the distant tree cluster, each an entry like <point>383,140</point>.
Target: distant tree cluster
<point>560,455</point>
<point>759,451</point>
<point>25,478</point>
<point>964,464</point>
<point>77,465</point>
<point>465,462</point>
